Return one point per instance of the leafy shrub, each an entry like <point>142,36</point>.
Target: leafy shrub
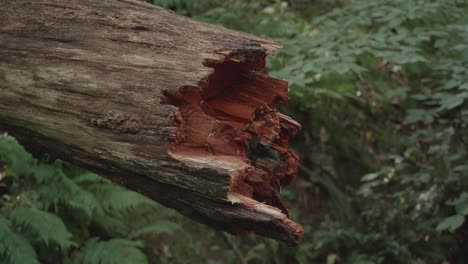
<point>380,88</point>
<point>52,212</point>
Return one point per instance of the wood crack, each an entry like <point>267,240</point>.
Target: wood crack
<point>215,150</point>
<point>231,120</point>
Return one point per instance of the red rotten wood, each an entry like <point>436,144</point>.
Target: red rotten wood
<point>178,110</point>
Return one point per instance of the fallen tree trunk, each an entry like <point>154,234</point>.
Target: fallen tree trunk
<point>175,109</point>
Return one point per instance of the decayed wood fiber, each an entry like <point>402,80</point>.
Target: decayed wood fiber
<point>84,81</point>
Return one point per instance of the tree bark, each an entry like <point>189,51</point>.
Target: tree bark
<point>173,108</point>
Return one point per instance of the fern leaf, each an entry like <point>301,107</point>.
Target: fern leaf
<point>120,251</point>
<point>43,173</point>
<point>19,162</point>
<point>13,247</point>
<point>88,177</point>
<point>85,203</point>
<point>117,199</point>
<point>46,226</point>
<point>162,226</point>
<point>66,192</point>
<point>80,198</point>
<point>112,225</point>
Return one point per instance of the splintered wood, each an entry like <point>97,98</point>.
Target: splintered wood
<point>231,117</point>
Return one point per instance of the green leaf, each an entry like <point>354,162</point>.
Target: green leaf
<point>85,204</point>
<point>162,226</point>
<point>66,192</point>
<point>464,86</point>
<point>120,251</point>
<point>88,177</point>
<point>462,209</point>
<point>117,199</point>
<point>461,204</point>
<point>416,115</point>
<point>79,198</point>
<point>46,226</point>
<point>440,43</point>
<point>451,223</point>
<point>370,176</point>
<point>450,102</point>
<point>14,248</point>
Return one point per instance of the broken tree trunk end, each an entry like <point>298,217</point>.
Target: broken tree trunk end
<point>172,108</point>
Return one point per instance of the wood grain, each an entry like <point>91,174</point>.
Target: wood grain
<point>87,81</point>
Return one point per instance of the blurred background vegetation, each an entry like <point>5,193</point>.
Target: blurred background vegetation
<point>380,87</point>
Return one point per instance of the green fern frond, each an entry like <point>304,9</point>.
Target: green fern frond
<point>112,225</point>
<point>71,195</point>
<point>21,164</point>
<point>48,227</point>
<point>44,173</point>
<point>162,226</point>
<point>66,192</point>
<point>120,207</point>
<point>120,251</point>
<point>85,205</point>
<point>19,161</point>
<point>88,178</point>
<point>116,199</point>
<point>14,248</point>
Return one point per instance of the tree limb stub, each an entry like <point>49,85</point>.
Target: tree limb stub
<point>173,108</point>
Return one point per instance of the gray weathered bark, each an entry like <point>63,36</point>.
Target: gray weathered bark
<point>112,85</point>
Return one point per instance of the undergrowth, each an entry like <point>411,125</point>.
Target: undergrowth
<point>380,88</point>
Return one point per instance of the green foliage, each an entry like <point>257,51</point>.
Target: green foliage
<point>453,222</point>
<point>46,227</point>
<point>13,247</point>
<point>53,212</point>
<point>160,227</point>
<point>112,251</point>
<point>381,90</point>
